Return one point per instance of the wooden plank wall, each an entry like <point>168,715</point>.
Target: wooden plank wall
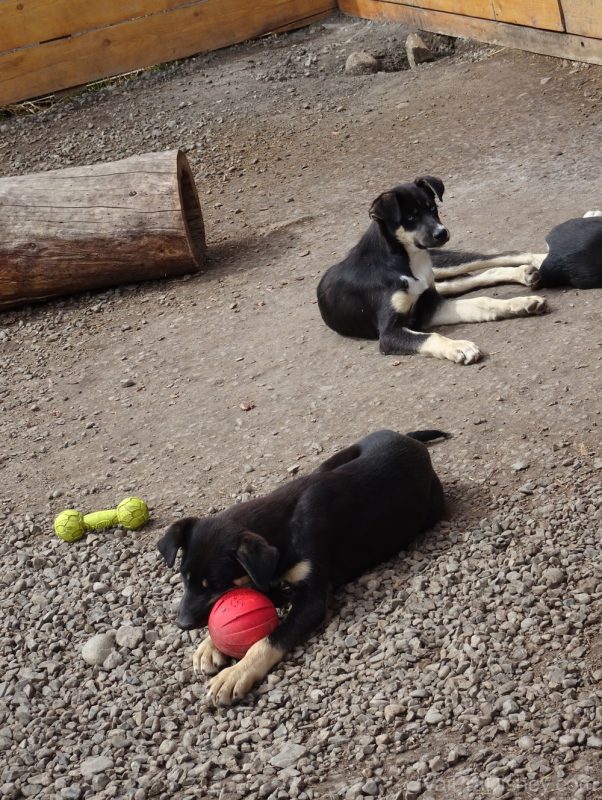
<point>48,45</point>
<point>564,28</point>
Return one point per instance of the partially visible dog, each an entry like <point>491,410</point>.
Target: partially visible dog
<point>574,258</point>
<point>359,508</point>
<point>574,255</point>
<point>385,287</point>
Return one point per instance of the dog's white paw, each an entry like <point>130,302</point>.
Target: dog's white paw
<point>207,658</point>
<point>594,213</point>
<point>459,350</point>
<point>231,684</point>
<point>526,306</point>
<point>529,275</point>
<point>463,352</point>
<point>234,682</point>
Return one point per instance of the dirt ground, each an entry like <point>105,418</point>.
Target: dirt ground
<point>289,152</point>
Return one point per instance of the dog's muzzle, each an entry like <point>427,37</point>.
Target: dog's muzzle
<point>441,235</point>
<point>192,615</point>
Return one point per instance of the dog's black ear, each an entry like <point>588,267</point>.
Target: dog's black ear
<point>432,185</point>
<point>174,538</point>
<point>258,558</point>
<point>386,209</point>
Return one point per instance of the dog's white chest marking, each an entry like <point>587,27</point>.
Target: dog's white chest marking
<point>423,278</point>
<point>422,270</point>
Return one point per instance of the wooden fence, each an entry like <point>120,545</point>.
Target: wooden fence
<point>48,45</point>
<point>564,28</point>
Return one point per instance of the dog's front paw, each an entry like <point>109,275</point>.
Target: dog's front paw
<point>207,658</point>
<point>463,352</point>
<point>234,682</point>
<point>526,306</point>
<point>529,276</point>
<point>231,684</point>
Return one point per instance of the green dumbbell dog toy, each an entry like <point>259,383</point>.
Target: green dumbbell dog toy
<point>131,513</point>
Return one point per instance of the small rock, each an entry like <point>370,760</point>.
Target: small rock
<point>459,752</point>
<point>125,382</point>
<point>518,466</point>
<point>370,788</point>
<point>413,790</point>
<point>112,661</point>
<point>393,710</point>
<point>95,765</point>
<point>526,743</point>
<point>71,793</point>
<point>288,756</point>
<point>553,576</point>
<point>98,648</point>
<point>417,50</point>
<point>167,747</point>
<point>361,63</point>
<point>594,741</point>
<point>494,786</point>
<point>433,716</point>
<point>436,764</point>
<point>129,636</point>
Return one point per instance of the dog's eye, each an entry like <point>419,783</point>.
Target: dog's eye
<point>205,583</point>
<point>411,217</point>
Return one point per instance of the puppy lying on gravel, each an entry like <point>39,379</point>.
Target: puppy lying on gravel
<point>359,508</point>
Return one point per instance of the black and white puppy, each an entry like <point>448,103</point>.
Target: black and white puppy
<point>359,508</point>
<point>385,287</point>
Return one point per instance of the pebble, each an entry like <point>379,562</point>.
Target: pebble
<point>413,790</point>
<point>433,716</point>
<point>361,63</point>
<point>95,765</point>
<point>417,50</point>
<point>594,741</point>
<point>129,636</point>
<point>526,742</point>
<point>97,649</point>
<point>554,576</point>
<point>288,756</point>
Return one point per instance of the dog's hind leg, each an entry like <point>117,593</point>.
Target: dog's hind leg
<point>504,261</point>
<point>486,309</point>
<point>526,275</point>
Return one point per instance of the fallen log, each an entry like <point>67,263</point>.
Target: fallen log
<point>82,228</point>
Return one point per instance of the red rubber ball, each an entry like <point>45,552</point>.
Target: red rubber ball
<point>240,618</point>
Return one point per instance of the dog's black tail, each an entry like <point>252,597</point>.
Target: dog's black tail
<point>426,436</point>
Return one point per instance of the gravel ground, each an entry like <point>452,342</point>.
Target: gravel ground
<point>456,670</point>
<point>470,667</point>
